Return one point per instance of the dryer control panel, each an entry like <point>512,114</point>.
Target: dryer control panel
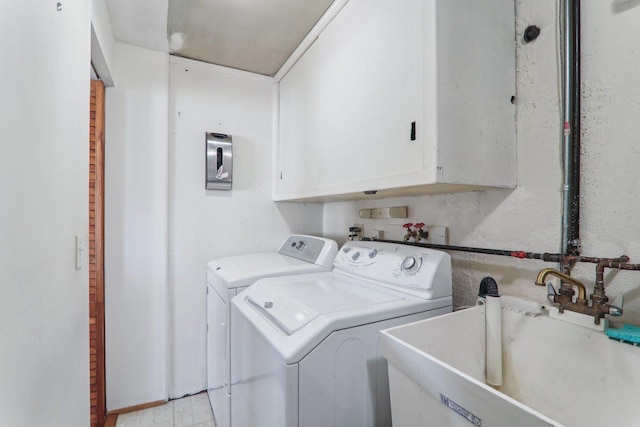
<point>316,250</point>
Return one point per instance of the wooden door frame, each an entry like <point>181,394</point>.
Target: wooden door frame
<point>96,256</point>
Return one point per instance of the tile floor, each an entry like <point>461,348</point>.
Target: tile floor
<point>190,411</point>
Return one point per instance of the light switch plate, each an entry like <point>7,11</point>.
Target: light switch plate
<point>80,251</point>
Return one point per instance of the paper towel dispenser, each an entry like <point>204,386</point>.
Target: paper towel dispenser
<point>219,161</point>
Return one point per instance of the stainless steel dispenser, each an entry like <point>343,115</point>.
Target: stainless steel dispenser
<point>219,161</point>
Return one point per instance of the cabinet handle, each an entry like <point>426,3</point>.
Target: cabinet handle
<point>413,131</point>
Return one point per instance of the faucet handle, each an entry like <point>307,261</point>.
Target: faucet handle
<point>551,292</point>
<point>615,309</point>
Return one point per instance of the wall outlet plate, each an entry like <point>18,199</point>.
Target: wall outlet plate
<point>356,232</point>
<point>377,234</point>
<point>438,235</point>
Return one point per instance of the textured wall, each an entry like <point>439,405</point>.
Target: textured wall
<point>529,217</point>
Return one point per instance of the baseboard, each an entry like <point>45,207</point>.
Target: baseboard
<point>111,420</point>
<point>136,407</point>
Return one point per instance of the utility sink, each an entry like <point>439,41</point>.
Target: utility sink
<point>554,373</point>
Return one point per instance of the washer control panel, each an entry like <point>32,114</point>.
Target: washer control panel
<point>425,272</point>
<point>364,258</point>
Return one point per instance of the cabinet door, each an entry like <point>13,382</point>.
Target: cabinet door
<point>347,105</point>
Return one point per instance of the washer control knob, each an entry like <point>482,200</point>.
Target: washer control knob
<point>408,263</point>
<point>300,245</point>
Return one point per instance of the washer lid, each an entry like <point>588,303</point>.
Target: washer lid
<point>293,304</point>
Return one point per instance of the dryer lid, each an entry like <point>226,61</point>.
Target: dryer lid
<point>292,304</point>
<point>242,270</point>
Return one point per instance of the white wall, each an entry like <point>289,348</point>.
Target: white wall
<point>529,217</point>
<point>44,117</point>
<point>136,228</point>
<point>206,224</point>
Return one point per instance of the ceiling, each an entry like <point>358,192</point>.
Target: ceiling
<point>251,35</point>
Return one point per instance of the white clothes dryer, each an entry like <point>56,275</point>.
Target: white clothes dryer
<point>299,254</point>
<point>306,348</point>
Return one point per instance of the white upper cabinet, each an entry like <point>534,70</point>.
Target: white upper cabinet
<point>379,68</point>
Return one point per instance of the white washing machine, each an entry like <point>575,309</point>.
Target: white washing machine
<point>299,254</point>
<point>306,348</point>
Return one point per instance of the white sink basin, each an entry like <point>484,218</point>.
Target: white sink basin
<point>554,373</point>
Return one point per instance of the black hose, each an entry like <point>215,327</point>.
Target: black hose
<point>500,252</point>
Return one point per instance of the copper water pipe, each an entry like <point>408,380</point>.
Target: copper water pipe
<point>620,264</point>
<point>571,260</point>
<point>568,263</point>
